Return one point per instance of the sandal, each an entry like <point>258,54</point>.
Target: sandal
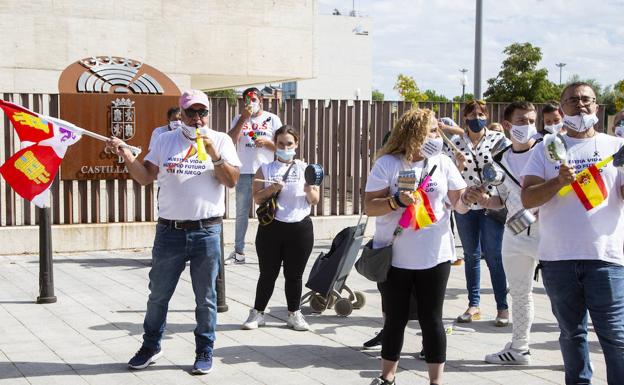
<point>468,317</point>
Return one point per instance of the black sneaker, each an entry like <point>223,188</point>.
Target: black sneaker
<point>203,363</point>
<point>144,357</point>
<point>374,343</point>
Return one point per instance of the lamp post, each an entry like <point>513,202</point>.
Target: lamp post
<point>463,81</point>
<point>560,65</point>
<point>477,59</point>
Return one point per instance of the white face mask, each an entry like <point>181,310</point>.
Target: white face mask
<point>174,124</point>
<point>580,123</point>
<point>522,134</point>
<point>619,131</point>
<point>554,128</point>
<point>255,107</point>
<point>188,131</point>
<point>431,147</point>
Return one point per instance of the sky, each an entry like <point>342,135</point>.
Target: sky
<point>431,40</point>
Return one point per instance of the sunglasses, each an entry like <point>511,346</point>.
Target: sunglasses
<point>189,112</point>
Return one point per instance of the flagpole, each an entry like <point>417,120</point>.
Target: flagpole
<point>78,130</point>
<point>46,276</point>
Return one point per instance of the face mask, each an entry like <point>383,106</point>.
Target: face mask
<point>619,130</point>
<point>580,123</point>
<point>174,124</point>
<point>285,153</point>
<point>554,128</point>
<point>431,147</point>
<point>188,131</point>
<point>522,134</point>
<point>476,125</point>
<point>255,107</point>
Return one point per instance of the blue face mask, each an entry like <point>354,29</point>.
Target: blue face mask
<point>285,153</point>
<point>476,125</point>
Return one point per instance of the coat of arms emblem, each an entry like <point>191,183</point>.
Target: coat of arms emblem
<point>123,119</point>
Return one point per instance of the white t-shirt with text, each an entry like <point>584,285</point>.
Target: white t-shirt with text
<point>427,247</point>
<point>263,125</point>
<point>189,189</point>
<point>567,230</point>
<point>292,205</point>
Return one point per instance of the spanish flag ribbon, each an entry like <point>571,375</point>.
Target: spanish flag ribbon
<point>589,186</point>
<point>420,214</point>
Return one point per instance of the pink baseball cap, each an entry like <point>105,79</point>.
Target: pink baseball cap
<point>191,97</point>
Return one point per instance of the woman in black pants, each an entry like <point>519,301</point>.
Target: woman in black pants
<point>289,238</point>
<point>422,251</point>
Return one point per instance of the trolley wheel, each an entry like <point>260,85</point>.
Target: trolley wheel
<point>360,300</point>
<point>317,303</point>
<point>343,307</point>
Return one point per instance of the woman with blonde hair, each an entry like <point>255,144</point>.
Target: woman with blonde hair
<point>423,250</point>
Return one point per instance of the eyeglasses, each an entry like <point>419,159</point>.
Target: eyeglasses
<point>585,100</point>
<point>189,112</point>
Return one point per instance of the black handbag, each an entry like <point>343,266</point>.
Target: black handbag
<point>499,215</point>
<point>374,264</point>
<point>267,209</point>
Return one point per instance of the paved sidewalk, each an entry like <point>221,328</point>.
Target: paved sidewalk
<point>95,327</point>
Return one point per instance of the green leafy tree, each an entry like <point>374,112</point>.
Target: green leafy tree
<point>377,96</point>
<point>408,89</point>
<point>467,98</point>
<point>432,96</point>
<point>618,89</point>
<point>520,79</point>
<point>229,94</point>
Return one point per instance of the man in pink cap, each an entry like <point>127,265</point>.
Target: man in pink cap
<point>191,205</point>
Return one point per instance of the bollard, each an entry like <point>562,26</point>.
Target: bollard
<point>46,277</point>
<point>221,302</point>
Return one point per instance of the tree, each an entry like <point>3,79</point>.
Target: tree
<point>432,96</point>
<point>520,79</point>
<point>228,93</point>
<point>618,89</point>
<point>377,96</point>
<point>407,88</point>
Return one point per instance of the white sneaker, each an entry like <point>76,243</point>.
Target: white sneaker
<point>297,322</point>
<point>254,320</point>
<point>235,258</point>
<point>509,356</point>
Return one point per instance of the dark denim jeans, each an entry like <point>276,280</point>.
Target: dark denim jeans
<point>172,249</point>
<point>574,288</point>
<point>479,232</point>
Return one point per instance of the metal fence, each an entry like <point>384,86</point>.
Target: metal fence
<point>341,135</point>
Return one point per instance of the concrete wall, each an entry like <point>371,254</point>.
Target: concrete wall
<point>343,59</point>
<point>114,236</point>
<point>204,44</point>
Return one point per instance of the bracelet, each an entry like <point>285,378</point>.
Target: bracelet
<point>397,200</point>
<point>392,204</point>
<point>218,162</point>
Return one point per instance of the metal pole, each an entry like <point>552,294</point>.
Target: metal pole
<point>477,64</point>
<point>560,65</point>
<point>46,276</point>
<point>221,300</point>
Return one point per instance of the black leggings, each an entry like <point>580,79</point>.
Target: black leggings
<point>429,286</point>
<point>290,243</point>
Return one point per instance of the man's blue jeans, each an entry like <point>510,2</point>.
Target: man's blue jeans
<point>172,248</point>
<point>574,288</point>
<point>243,204</point>
<point>477,231</point>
